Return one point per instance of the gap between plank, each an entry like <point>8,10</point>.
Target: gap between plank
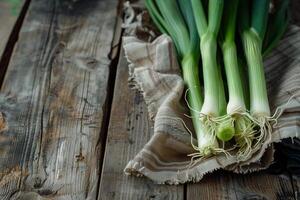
<point>12,40</point>
<point>114,56</point>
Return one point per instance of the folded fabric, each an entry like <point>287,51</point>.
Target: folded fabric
<point>154,69</point>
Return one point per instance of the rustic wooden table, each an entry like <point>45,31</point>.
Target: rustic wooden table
<point>69,122</point>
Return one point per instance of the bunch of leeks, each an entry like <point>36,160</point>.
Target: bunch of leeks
<point>242,33</point>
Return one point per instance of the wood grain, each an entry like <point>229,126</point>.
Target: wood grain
<point>52,101</point>
<point>296,186</point>
<point>224,185</point>
<point>129,130</point>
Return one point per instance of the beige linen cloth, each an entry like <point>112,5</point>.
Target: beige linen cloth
<point>154,69</point>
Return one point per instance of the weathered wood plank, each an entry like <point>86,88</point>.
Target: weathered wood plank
<point>224,185</point>
<point>296,186</point>
<point>9,12</point>
<point>129,130</point>
<point>52,101</point>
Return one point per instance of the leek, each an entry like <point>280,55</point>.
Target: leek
<point>213,85</point>
<point>175,18</point>
<point>237,120</point>
<point>259,35</point>
<point>252,34</point>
